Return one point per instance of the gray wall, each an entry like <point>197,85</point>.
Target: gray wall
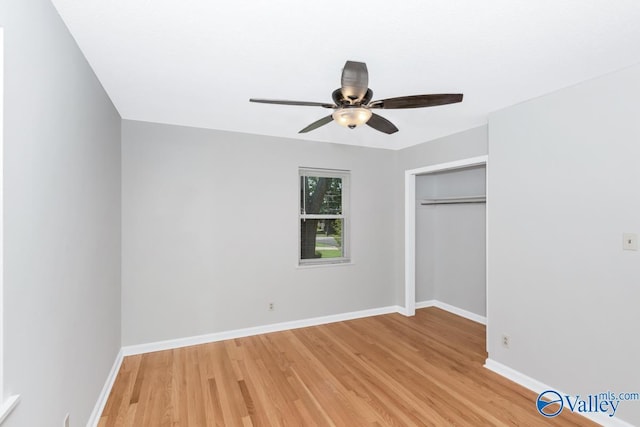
<point>61,221</point>
<point>562,189</point>
<point>210,232</point>
<point>451,241</point>
<point>232,199</point>
<point>563,185</point>
<point>463,145</point>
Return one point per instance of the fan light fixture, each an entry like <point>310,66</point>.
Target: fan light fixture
<point>351,117</point>
<point>353,106</point>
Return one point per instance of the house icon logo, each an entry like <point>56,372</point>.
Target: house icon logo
<point>549,403</point>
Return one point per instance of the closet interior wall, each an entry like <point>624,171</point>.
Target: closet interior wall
<point>451,240</point>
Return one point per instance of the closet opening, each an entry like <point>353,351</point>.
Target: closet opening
<point>445,238</point>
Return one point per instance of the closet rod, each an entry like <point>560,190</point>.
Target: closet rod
<point>454,200</point>
<point>425,203</point>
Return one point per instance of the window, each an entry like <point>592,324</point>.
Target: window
<point>324,221</point>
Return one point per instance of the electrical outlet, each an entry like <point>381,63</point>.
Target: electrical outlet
<point>506,341</point>
<point>271,306</point>
<point>66,421</point>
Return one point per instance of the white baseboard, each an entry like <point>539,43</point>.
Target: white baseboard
<point>452,309</point>
<point>538,387</point>
<point>246,332</point>
<point>94,419</point>
<point>426,304</point>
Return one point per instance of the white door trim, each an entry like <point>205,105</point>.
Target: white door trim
<point>410,223</point>
<point>7,403</point>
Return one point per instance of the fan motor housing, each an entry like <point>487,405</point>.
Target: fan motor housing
<point>340,100</point>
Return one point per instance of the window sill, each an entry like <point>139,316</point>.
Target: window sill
<point>7,406</point>
<point>324,265</point>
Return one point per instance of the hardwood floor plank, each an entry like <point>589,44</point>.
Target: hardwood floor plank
<point>388,370</point>
<point>231,401</point>
<point>391,376</point>
<point>320,383</point>
<point>196,398</point>
<point>214,401</point>
<point>387,397</point>
<point>336,372</point>
<point>119,400</point>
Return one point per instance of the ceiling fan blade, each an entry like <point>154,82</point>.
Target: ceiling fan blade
<point>355,80</point>
<point>383,125</point>
<point>417,101</point>
<point>315,125</point>
<point>285,102</point>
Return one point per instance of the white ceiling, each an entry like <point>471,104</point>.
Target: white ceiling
<point>197,62</point>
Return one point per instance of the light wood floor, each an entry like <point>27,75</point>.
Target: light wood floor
<point>380,371</point>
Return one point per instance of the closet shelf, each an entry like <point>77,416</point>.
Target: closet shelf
<point>453,200</point>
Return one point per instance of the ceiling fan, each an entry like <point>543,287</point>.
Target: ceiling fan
<point>352,102</point>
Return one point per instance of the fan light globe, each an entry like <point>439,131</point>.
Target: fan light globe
<point>351,117</point>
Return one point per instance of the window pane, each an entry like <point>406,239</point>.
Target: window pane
<point>321,238</point>
<point>321,195</point>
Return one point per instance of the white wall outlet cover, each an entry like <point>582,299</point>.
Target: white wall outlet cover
<point>630,241</point>
<point>506,341</point>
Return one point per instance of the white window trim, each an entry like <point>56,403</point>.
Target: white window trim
<point>6,404</point>
<point>345,175</point>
